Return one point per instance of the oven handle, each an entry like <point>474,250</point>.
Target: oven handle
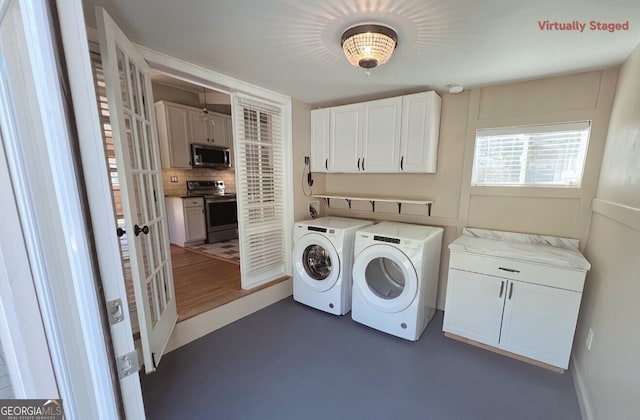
<point>230,200</point>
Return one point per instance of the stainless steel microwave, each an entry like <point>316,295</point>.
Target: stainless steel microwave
<point>206,156</point>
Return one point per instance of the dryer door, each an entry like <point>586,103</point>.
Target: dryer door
<point>316,262</point>
<point>385,277</point>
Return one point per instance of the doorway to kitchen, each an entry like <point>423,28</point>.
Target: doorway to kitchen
<point>206,267</point>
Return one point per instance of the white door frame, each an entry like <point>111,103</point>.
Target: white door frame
<point>96,177</point>
<point>74,39</point>
<point>39,156</point>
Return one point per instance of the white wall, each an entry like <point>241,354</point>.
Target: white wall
<point>608,374</point>
<point>173,94</point>
<point>301,133</point>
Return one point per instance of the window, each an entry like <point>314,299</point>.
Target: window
<point>537,155</point>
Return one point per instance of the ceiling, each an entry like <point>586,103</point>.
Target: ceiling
<point>293,46</point>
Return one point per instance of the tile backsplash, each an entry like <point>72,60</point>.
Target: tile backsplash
<point>178,189</point>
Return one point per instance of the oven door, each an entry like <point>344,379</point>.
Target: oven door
<point>222,214</point>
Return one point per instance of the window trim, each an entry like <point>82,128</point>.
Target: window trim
<point>533,129</point>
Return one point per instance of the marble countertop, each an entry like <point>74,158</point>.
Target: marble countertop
<point>538,249</point>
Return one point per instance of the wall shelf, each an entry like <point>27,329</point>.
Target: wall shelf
<point>372,200</point>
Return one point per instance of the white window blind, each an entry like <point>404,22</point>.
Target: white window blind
<point>540,155</point>
<point>260,188</point>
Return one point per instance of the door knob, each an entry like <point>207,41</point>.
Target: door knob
<point>137,229</point>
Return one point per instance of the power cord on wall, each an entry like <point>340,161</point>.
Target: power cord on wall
<point>306,172</point>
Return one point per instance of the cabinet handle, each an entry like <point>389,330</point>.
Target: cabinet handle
<point>510,270</point>
<point>358,163</point>
<point>511,291</point>
<point>402,163</point>
<point>501,288</point>
<point>363,164</point>
<point>326,164</point>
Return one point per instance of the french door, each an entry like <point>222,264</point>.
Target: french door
<point>133,125</point>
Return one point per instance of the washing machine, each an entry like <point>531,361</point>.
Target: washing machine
<point>322,260</point>
<point>395,277</point>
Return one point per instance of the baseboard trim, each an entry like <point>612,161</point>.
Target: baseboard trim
<point>581,392</point>
<point>203,324</point>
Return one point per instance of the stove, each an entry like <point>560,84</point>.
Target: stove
<point>221,210</point>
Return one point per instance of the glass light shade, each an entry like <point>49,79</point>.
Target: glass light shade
<point>369,45</point>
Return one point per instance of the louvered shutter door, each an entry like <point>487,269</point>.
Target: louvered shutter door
<point>260,188</point>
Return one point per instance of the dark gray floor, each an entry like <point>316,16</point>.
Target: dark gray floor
<point>288,361</point>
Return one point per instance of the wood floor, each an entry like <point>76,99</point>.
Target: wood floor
<point>203,283</point>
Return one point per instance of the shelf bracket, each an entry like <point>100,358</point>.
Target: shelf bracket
<point>429,209</point>
<point>348,202</point>
<point>373,205</point>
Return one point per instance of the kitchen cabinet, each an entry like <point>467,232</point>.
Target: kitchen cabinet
<point>180,125</point>
<point>420,132</point>
<point>174,135</point>
<point>391,135</point>
<point>210,128</point>
<point>187,224</point>
<point>320,140</point>
<point>518,297</point>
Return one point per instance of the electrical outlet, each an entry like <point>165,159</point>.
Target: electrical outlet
<point>306,160</point>
<point>314,209</point>
<point>174,179</point>
<point>589,339</point>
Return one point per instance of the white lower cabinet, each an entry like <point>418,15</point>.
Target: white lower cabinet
<point>187,224</point>
<point>530,311</point>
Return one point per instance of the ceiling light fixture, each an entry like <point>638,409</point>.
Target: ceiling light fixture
<point>369,45</point>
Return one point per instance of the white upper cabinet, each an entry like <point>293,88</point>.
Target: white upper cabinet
<point>346,138</point>
<point>173,135</point>
<point>381,145</point>
<point>209,128</point>
<point>385,136</point>
<point>220,130</point>
<point>320,140</point>
<point>199,127</point>
<point>180,125</point>
<point>420,132</point>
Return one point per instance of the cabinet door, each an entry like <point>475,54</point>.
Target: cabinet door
<point>218,130</point>
<point>346,138</point>
<point>381,144</point>
<point>320,140</point>
<point>420,132</point>
<point>199,129</point>
<point>539,322</point>
<point>173,136</point>
<point>194,224</point>
<point>473,307</point>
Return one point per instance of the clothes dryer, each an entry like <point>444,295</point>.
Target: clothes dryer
<point>395,277</point>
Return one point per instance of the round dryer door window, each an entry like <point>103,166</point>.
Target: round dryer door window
<point>385,277</point>
<point>316,262</point>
